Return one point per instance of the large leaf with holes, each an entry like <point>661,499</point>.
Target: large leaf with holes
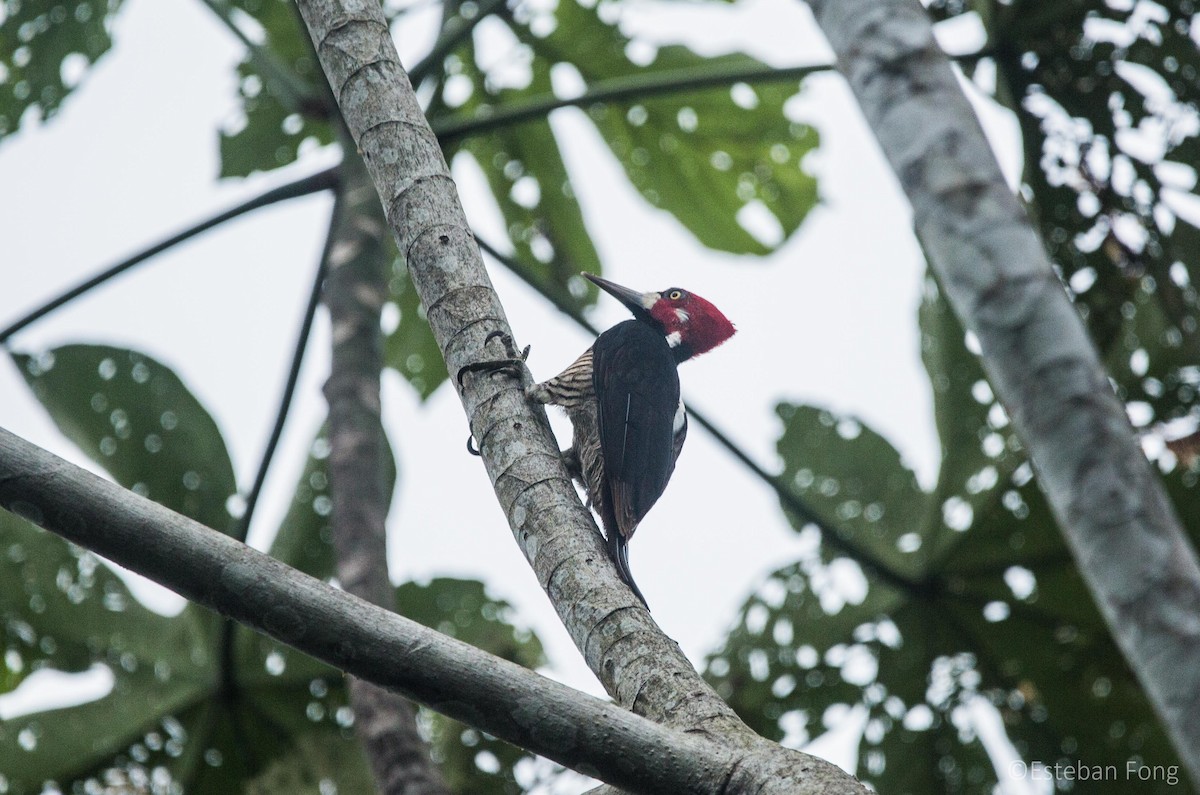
<point>184,699</point>
<point>63,609</point>
<point>214,706</point>
<point>410,347</point>
<point>1042,648</point>
<point>134,417</point>
<point>970,594</point>
<point>524,167</point>
<point>533,191</point>
<point>284,102</point>
<point>977,446</point>
<point>1154,363</point>
<point>732,144</point>
<point>46,50</point>
<point>473,763</point>
<point>1106,95</point>
<point>855,478</point>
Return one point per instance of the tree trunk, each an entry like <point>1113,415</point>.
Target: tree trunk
<point>638,665</point>
<point>1112,507</point>
<point>452,677</point>
<point>355,291</point>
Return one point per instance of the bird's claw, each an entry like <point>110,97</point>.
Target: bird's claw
<point>504,337</point>
<point>512,364</point>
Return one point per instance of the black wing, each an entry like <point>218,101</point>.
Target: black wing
<point>637,389</point>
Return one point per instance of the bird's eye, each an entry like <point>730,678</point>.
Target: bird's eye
<point>675,295</point>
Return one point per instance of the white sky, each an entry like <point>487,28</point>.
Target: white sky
<point>829,320</point>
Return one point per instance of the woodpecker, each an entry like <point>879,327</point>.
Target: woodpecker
<point>622,398</point>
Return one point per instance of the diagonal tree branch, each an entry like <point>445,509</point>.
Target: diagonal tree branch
<point>314,183</point>
<point>635,88</point>
<point>452,677</point>
<point>355,292</point>
<point>631,88</point>
<point>492,694</point>
<point>637,664</point>
<point>1109,503</point>
<point>452,35</point>
<point>285,401</point>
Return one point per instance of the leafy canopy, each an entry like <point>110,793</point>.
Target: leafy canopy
<point>912,605</point>
<point>198,702</point>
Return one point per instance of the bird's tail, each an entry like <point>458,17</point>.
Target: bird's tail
<point>618,550</point>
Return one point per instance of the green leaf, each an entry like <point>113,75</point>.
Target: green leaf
<point>462,609</point>
<point>62,608</point>
<point>1055,670</point>
<point>473,763</point>
<point>63,744</point>
<point>731,145</point>
<point>281,89</point>
<point>269,134</point>
<point>46,51</point>
<point>529,180</point>
<point>853,476</point>
<point>410,348</point>
<point>134,417</point>
<point>969,593</point>
<point>10,675</point>
<point>304,540</point>
<point>320,757</point>
<point>775,661</point>
<point>977,444</point>
<point>1100,94</point>
<point>550,241</point>
<point>211,703</point>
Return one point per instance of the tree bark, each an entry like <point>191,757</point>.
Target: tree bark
<point>355,291</point>
<point>638,665</point>
<point>552,527</point>
<point>1110,504</point>
<point>452,677</point>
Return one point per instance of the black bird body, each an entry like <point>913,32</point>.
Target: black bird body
<point>622,398</point>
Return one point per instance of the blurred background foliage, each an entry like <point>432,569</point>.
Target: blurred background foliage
<point>909,606</point>
<point>968,591</point>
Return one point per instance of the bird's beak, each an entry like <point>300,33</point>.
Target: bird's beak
<point>637,303</point>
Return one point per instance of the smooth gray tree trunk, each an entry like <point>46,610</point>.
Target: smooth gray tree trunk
<point>1110,504</point>
<point>496,696</point>
<point>355,291</point>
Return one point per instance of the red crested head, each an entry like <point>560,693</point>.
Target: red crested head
<point>691,324</point>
